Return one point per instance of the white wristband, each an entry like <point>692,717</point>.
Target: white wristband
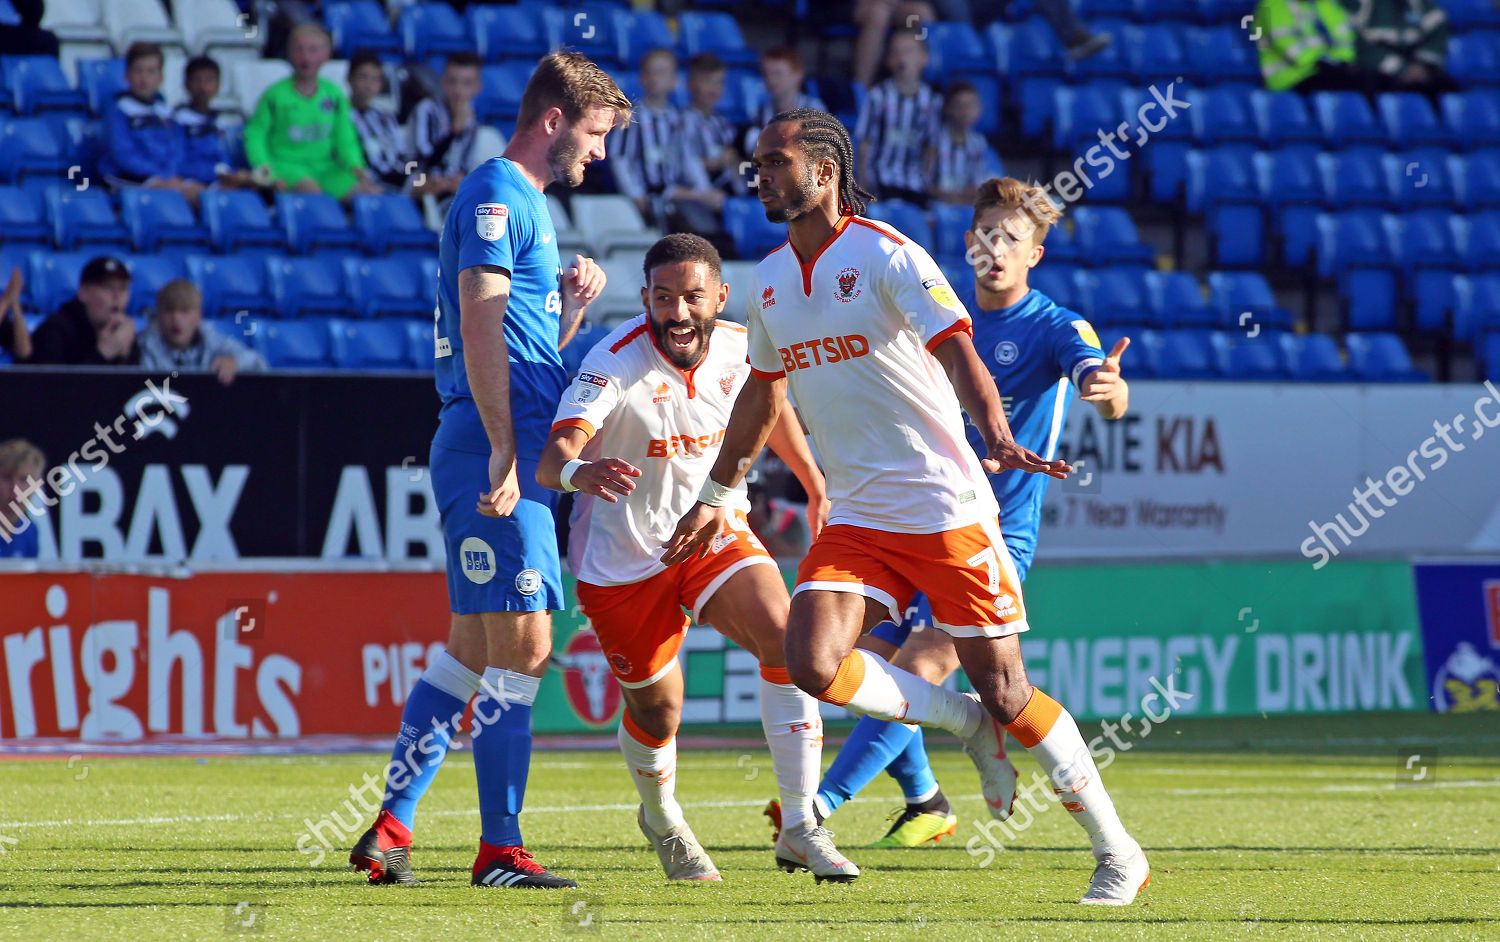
<point>568,470</point>
<point>714,494</point>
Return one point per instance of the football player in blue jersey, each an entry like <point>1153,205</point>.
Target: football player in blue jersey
<point>1034,350</point>
<point>505,307</point>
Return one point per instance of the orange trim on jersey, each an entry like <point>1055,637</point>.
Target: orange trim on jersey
<point>588,428</point>
<point>732,326</point>
<point>807,266</point>
<point>1035,720</point>
<point>888,233</point>
<point>768,377</point>
<point>640,735</point>
<point>775,675</point>
<point>960,326</point>
<point>846,680</point>
<point>628,339</point>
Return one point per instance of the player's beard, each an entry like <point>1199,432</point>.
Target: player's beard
<point>562,158</point>
<point>797,199</point>
<point>683,359</point>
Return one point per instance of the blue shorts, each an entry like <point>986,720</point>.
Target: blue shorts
<point>496,564</point>
<point>919,615</point>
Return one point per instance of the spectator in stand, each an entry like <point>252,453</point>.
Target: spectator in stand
<point>781,69</point>
<point>899,124</point>
<point>14,338</point>
<point>205,154</point>
<point>179,340</point>
<point>1402,45</point>
<point>143,145</point>
<point>381,138</point>
<point>1307,45</point>
<point>655,166</point>
<point>27,38</point>
<point>712,136</point>
<point>301,137</point>
<point>22,467</point>
<point>92,329</point>
<point>962,159</point>
<point>446,135</point>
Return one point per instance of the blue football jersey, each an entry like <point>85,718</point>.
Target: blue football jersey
<point>1034,350</point>
<point>22,545</point>
<point>498,218</point>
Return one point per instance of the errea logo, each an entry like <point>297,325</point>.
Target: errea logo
<point>767,297</point>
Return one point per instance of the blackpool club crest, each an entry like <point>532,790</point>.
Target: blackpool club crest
<point>848,284</point>
<point>726,382</point>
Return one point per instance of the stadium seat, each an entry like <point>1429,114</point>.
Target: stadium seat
<point>388,287</point>
<point>213,25</point>
<point>231,284</point>
<point>589,334</point>
<point>1283,118</point>
<point>361,26</point>
<point>1464,15</point>
<point>52,277</point>
<point>23,218</point>
<point>612,222</point>
<point>1058,282</point>
<point>37,83</point>
<point>1111,62</point>
<point>1410,120</point>
<point>1479,240</point>
<point>621,298</point>
<point>1158,52</point>
<point>991,102</point>
<point>1250,358</point>
<point>500,99</point>
<point>295,345</point>
<point>370,345</point>
<point>419,345</point>
<point>1476,179</point>
<point>949,223</point>
<point>148,273</point>
<point>505,32</point>
<point>154,217</point>
<point>1079,111</point>
<point>1380,357</point>
<point>715,32</point>
<point>1474,58</point>
<point>1062,246</point>
<point>431,28</point>
<point>953,48</point>
<point>1185,354</point>
<point>1488,354</point>
<point>390,223</point>
<point>638,33</point>
<point>237,218</point>
<point>746,223</point>
<point>1291,186</point>
<point>1346,119</point>
<point>313,221</point>
<point>1165,163</point>
<point>1312,358</point>
<point>1223,115</point>
<point>129,21</point>
<point>1473,118</point>
<point>1420,178</point>
<point>1142,360</point>
<point>303,286</point>
<point>251,77</point>
<point>32,146</point>
<point>1032,50</point>
<point>1422,239</point>
<point>1106,235</point>
<point>83,218</point>
<point>1355,237</point>
<point>1441,302</point>
<point>1475,305</point>
<point>1176,299</point>
<point>100,80</point>
<point>1224,54</point>
<point>591,27</point>
<point>77,21</point>
<point>1221,175</point>
<point>1353,178</point>
<point>1179,11</point>
<point>1234,294</point>
<point>1116,295</point>
<point>906,218</point>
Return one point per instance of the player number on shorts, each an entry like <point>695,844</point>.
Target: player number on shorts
<point>991,561</point>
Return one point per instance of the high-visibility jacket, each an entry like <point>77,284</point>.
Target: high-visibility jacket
<point>1295,35</point>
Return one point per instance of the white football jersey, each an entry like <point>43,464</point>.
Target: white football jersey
<point>852,331</point>
<point>636,405</point>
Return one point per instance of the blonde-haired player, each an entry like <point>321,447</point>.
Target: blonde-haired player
<point>860,324</point>
<point>635,436</point>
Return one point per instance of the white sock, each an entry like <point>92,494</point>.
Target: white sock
<point>887,692</point>
<point>653,768</point>
<point>794,733</point>
<point>448,674</point>
<point>1051,735</point>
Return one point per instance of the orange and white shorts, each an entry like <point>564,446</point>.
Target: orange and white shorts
<point>967,574</point>
<point>640,625</point>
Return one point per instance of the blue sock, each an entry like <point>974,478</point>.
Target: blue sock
<point>870,748</point>
<point>502,752</point>
<point>433,711</point>
<point>912,771</point>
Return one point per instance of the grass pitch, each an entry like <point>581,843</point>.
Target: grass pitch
<point>1294,828</point>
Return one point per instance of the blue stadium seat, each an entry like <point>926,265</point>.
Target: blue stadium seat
<point>359,26</point>
<point>312,220</point>
<point>1033,50</point>
<point>1143,359</point>
<point>1061,246</point>
<point>1464,15</point>
<point>949,223</point>
<point>37,84</point>
<point>1186,354</point>
<point>1346,119</point>
<point>1158,52</point>
<point>1111,62</point>
<point>1439,302</point>
<point>388,287</point>
<point>1224,115</point>
<point>83,218</point>
<point>1177,300</point>
<point>589,333</point>
<point>991,102</point>
<point>1478,238</point>
<point>1353,249</point>
<point>1058,282</point>
<point>1420,178</point>
<point>1115,295</point>
<point>746,223</point>
<point>1473,118</point>
<point>500,99</point>
<point>1036,96</point>
<point>148,273</point>
<point>100,80</point>
<point>1079,111</point>
<point>1177,11</point>
<point>419,345</point>
<point>1353,178</point>
<point>906,218</point>
<point>303,286</point>
<point>155,217</point>
<point>1423,238</point>
<point>1476,178</point>
<point>1291,186</point>
<point>640,32</point>
<point>1220,175</point>
<point>715,32</point>
<point>1251,358</point>
<point>1410,120</point>
<point>1474,58</point>
<point>1283,118</point>
<point>1313,358</point>
<point>306,344</point>
<point>505,32</point>
<point>231,284</point>
<point>237,219</point>
<point>1224,54</point>
<point>1166,169</point>
<point>1235,294</point>
<point>370,345</point>
<point>953,48</point>
<point>590,27</point>
<point>1107,235</point>
<point>390,223</point>
<point>1488,353</point>
<point>31,146</point>
<point>52,277</point>
<point>432,28</point>
<point>1378,357</point>
<point>23,218</point>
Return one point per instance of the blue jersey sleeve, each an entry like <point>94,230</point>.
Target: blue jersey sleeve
<point>1075,345</point>
<point>492,226</point>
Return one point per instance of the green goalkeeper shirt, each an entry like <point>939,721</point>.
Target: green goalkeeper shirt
<point>290,128</point>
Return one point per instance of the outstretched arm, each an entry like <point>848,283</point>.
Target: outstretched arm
<point>981,400</point>
<point>1105,387</point>
<point>609,478</point>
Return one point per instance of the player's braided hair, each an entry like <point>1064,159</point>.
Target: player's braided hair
<point>824,137</point>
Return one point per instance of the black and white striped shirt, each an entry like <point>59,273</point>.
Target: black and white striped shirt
<point>707,135</point>
<point>383,142</point>
<point>959,165</point>
<point>655,155</point>
<point>895,130</point>
<point>438,148</point>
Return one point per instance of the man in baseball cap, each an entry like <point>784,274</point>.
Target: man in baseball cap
<point>92,329</point>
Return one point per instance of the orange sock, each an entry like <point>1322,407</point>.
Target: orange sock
<point>1035,720</point>
<point>775,675</point>
<point>846,681</point>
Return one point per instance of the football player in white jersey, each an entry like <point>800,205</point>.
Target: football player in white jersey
<point>858,323</point>
<point>635,436</point>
